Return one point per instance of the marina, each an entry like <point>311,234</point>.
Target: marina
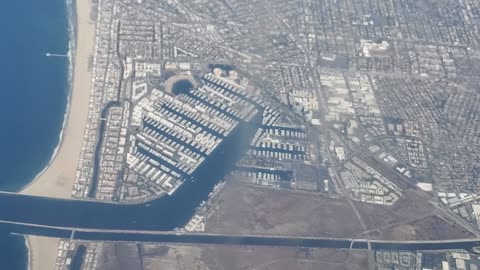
<point>285,124</point>
<point>164,213</point>
<point>178,133</point>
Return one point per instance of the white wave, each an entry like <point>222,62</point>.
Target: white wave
<point>71,54</point>
<point>29,253</point>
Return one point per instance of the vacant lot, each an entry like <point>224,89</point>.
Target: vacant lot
<point>429,228</point>
<point>212,257</point>
<point>118,256</point>
<point>263,258</point>
<point>249,209</point>
<point>259,258</point>
<point>257,210</point>
<point>411,206</point>
<point>411,218</point>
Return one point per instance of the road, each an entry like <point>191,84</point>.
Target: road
<point>399,179</point>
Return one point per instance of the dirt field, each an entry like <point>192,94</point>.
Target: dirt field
<point>430,228</point>
<point>249,209</point>
<point>411,218</point>
<point>256,210</point>
<point>211,257</point>
<point>119,256</point>
<point>411,206</point>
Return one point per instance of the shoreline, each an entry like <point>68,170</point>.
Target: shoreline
<point>57,178</point>
<point>29,253</point>
<point>72,33</point>
<point>42,252</point>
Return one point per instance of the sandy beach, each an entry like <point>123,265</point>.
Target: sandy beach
<point>43,252</point>
<point>57,180</point>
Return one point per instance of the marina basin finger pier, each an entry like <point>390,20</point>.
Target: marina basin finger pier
<point>156,139</point>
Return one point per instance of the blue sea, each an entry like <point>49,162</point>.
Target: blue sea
<point>33,98</point>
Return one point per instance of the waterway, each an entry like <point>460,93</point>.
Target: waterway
<point>182,86</point>
<point>78,258</point>
<point>243,240</point>
<point>33,99</point>
<point>164,214</point>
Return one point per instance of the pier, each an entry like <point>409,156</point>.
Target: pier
<point>56,55</point>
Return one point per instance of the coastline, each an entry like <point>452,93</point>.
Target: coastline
<point>42,252</point>
<point>72,32</point>
<point>29,252</point>
<point>57,179</point>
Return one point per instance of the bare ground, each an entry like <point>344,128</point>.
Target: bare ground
<point>247,209</point>
<point>429,228</point>
<point>119,256</point>
<point>412,217</point>
<point>410,207</point>
<point>250,209</point>
<point>214,257</point>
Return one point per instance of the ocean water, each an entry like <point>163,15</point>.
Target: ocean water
<point>33,98</point>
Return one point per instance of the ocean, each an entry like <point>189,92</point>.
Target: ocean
<point>33,98</point>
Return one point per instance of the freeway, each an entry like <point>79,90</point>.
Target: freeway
<point>180,237</point>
